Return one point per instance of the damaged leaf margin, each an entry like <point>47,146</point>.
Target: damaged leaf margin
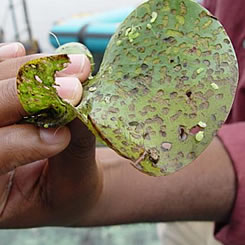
<point>37,93</point>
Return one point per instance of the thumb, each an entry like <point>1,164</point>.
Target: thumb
<point>74,169</point>
<point>79,156</point>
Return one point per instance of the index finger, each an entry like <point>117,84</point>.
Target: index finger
<point>11,50</point>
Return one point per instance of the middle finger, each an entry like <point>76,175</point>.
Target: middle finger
<point>79,67</point>
<point>11,50</point>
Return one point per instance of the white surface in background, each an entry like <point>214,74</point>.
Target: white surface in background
<point>43,13</point>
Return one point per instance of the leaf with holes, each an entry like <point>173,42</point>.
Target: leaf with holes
<point>37,92</point>
<point>165,86</point>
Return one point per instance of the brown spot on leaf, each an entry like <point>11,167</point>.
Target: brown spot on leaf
<point>117,131</point>
<point>133,123</point>
<point>165,110</point>
<point>177,68</point>
<point>206,53</point>
<point>192,115</point>
<point>203,14</point>
<point>206,62</point>
<point>113,110</point>
<point>204,105</point>
<point>141,49</point>
<point>226,41</point>
<point>131,107</point>
<point>135,136</point>
<point>170,40</point>
<point>180,154</point>
<point>176,116</point>
<point>149,108</point>
<point>163,133</point>
<point>213,117</point>
<point>191,155</point>
<point>113,119</point>
<point>144,66</point>
<point>173,95</point>
<point>154,155</point>
<point>219,96</point>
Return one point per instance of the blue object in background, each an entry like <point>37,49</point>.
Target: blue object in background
<point>94,31</point>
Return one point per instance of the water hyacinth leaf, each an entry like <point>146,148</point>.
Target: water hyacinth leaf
<point>164,88</point>
<point>37,92</point>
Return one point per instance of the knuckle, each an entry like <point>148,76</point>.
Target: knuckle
<point>8,91</point>
<point>10,107</point>
<point>14,152</point>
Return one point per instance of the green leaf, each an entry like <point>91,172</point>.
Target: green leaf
<point>169,66</point>
<point>37,92</point>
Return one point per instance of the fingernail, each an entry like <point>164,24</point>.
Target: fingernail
<point>53,136</point>
<point>69,89</point>
<point>10,50</point>
<point>76,66</point>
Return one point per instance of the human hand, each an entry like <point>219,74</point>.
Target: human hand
<point>60,169</point>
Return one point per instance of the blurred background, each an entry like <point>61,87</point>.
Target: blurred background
<point>44,14</point>
<point>75,20</point>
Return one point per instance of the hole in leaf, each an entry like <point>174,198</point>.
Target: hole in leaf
<point>166,146</point>
<point>146,136</point>
<point>191,155</point>
<point>177,67</point>
<point>38,79</point>
<point>133,123</point>
<point>188,94</point>
<point>46,87</point>
<point>126,76</point>
<point>213,117</point>
<point>134,90</point>
<point>195,129</point>
<point>182,134</point>
<point>144,66</point>
<point>163,133</point>
<point>173,95</point>
<point>169,40</point>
